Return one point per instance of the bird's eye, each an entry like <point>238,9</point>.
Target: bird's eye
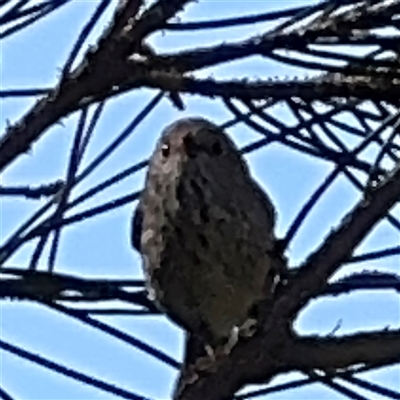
<point>191,147</point>
<point>165,149</point>
<point>216,148</point>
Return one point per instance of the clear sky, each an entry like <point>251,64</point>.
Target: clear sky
<point>100,247</point>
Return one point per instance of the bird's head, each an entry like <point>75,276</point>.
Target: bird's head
<point>191,141</point>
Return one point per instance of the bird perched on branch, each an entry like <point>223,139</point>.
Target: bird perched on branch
<point>204,229</point>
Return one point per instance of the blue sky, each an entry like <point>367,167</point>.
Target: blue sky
<point>100,247</point>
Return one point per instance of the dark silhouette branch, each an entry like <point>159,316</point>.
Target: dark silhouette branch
<point>20,284</point>
<point>28,15</point>
<point>313,377</point>
<point>23,92</point>
<point>324,88</point>
<point>68,371</point>
<point>29,192</point>
<point>333,354</point>
<point>23,284</point>
<point>363,281</point>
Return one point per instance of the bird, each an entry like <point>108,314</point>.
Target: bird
<point>205,231</point>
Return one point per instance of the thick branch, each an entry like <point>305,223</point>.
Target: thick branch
<point>256,361</point>
<point>264,357</point>
<point>363,281</point>
<point>62,287</point>
<point>335,353</point>
<point>134,75</point>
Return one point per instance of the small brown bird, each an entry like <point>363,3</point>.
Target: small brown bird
<point>204,229</point>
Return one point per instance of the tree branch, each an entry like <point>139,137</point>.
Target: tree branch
<point>363,281</point>
<point>332,354</point>
<point>63,287</point>
<point>338,247</point>
<point>134,75</point>
<point>23,283</point>
<point>45,190</point>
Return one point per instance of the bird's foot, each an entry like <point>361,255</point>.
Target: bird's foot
<point>191,376</point>
<point>226,348</point>
<point>248,328</point>
<point>206,362</point>
<point>214,354</point>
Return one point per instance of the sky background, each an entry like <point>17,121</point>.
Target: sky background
<point>100,247</point>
